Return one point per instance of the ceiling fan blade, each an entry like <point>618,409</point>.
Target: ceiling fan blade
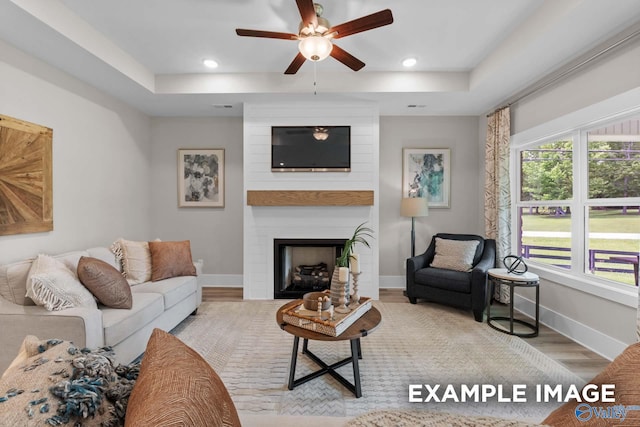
<point>296,64</point>
<point>346,58</point>
<point>369,22</point>
<point>307,12</point>
<point>266,34</point>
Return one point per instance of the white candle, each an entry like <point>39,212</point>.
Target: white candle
<point>343,274</point>
<point>355,263</point>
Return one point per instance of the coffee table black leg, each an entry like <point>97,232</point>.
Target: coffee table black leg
<point>359,349</point>
<point>305,343</point>
<point>355,355</point>
<point>294,358</point>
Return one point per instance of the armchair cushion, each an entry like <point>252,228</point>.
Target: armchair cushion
<point>457,281</point>
<point>454,254</point>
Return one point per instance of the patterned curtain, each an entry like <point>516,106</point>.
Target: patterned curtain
<point>497,195</point>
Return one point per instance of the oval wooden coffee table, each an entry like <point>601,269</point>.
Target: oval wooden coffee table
<point>360,328</point>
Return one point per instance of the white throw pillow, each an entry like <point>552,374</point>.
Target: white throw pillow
<point>454,254</point>
<point>53,285</point>
<point>135,258</point>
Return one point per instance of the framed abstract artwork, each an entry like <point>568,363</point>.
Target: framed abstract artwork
<point>26,177</point>
<point>201,178</point>
<point>426,172</point>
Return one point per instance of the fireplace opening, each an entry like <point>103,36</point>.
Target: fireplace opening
<point>303,265</point>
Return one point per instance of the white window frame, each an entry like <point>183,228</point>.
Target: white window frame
<point>576,125</point>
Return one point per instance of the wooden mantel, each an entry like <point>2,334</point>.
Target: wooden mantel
<point>309,198</point>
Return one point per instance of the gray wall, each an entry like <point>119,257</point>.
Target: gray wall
<point>613,74</point>
<point>215,233</point>
<point>100,158</point>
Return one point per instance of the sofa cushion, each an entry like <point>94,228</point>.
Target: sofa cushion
<point>13,282</point>
<point>119,324</point>
<point>105,254</point>
<point>176,386</point>
<point>135,258</point>
<point>71,259</point>
<point>173,290</point>
<point>171,259</point>
<point>104,282</point>
<point>454,254</point>
<point>52,285</point>
<point>451,280</point>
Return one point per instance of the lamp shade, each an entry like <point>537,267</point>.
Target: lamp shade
<point>315,48</point>
<point>414,207</point>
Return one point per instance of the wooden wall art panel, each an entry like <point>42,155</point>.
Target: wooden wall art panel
<point>26,181</point>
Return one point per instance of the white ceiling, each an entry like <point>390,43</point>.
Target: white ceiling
<point>472,54</point>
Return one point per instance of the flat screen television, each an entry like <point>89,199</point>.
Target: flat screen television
<point>310,148</point>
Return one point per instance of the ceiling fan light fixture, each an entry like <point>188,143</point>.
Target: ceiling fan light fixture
<point>315,48</point>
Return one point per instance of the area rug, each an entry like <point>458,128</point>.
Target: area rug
<point>415,344</point>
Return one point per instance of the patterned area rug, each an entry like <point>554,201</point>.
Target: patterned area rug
<point>415,344</point>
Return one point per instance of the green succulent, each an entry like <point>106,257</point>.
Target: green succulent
<point>360,235</point>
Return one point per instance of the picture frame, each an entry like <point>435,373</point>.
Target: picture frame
<point>426,172</point>
<point>26,168</point>
<point>201,178</point>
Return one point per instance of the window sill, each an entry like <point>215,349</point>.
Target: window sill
<point>585,283</point>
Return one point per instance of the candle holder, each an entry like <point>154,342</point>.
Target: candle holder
<point>355,297</point>
<point>342,300</point>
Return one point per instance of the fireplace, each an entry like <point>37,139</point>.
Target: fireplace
<point>303,265</point>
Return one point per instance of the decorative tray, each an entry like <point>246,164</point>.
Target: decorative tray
<point>331,323</point>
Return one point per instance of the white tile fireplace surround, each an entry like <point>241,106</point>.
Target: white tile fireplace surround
<point>304,222</point>
<point>263,224</point>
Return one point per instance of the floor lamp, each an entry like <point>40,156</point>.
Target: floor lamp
<point>414,207</point>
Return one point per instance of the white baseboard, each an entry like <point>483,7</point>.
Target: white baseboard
<point>221,280</point>
<point>584,335</point>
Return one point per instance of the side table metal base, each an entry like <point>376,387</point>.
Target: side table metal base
<point>499,277</point>
<point>510,331</point>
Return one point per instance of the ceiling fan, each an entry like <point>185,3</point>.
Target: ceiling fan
<point>315,35</point>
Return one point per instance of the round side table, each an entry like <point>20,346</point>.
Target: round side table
<point>500,276</point>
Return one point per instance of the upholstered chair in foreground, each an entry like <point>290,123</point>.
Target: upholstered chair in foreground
<point>452,271</point>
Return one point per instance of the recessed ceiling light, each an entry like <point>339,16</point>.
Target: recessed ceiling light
<point>409,62</point>
<point>210,63</point>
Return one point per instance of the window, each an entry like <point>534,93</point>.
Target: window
<point>578,205</point>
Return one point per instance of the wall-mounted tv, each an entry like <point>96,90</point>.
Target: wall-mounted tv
<point>310,148</point>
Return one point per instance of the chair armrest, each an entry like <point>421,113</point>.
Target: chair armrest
<point>83,326</point>
<point>416,263</point>
<point>488,259</point>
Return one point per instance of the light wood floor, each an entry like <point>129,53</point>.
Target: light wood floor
<point>573,356</point>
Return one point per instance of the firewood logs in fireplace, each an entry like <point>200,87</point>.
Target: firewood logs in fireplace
<point>311,275</point>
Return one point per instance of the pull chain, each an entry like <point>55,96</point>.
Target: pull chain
<point>315,83</point>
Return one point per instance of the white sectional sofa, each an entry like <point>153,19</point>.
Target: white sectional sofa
<point>162,304</point>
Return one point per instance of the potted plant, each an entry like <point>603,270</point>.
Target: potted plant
<point>360,235</point>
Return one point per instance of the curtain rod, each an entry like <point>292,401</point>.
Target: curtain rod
<point>570,70</point>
